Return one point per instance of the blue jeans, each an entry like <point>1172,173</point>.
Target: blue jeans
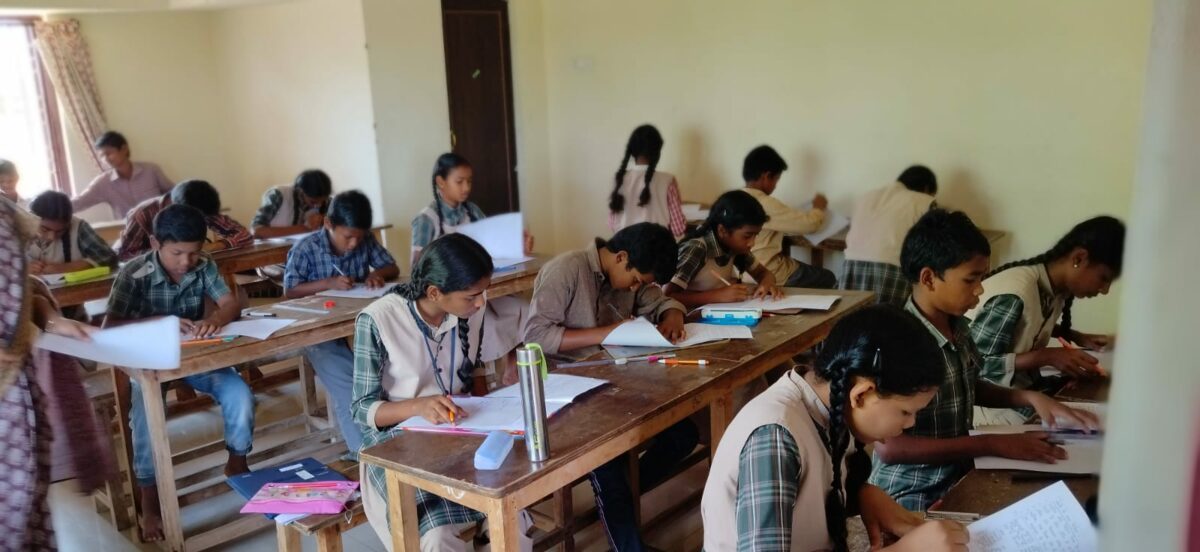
<point>237,408</point>
<point>610,483</point>
<point>334,363</point>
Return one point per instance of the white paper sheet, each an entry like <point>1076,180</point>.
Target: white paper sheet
<point>1084,454</point>
<point>1106,358</point>
<point>488,414</point>
<point>258,328</point>
<point>693,211</point>
<point>834,223</point>
<point>53,279</point>
<point>504,263</point>
<point>556,387</point>
<point>788,302</point>
<point>1099,409</point>
<point>640,332</point>
<point>1050,519</point>
<point>503,236</point>
<point>359,291</point>
<point>149,345</point>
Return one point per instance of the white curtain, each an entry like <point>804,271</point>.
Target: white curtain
<point>69,64</point>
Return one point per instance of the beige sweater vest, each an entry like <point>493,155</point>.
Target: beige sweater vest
<point>790,402</point>
<point>656,210</point>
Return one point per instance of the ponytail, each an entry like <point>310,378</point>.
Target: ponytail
<point>645,141</point>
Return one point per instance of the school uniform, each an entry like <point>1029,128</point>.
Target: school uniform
<point>703,263</point>
<point>950,414</point>
<point>504,318</point>
<point>398,357</point>
<point>139,228</point>
<point>143,289</point>
<point>572,291</point>
<point>79,243</point>
<point>281,206</point>
<point>881,219</point>
<point>664,208</point>
<point>768,246</point>
<point>123,194</point>
<point>311,259</point>
<point>1017,313</point>
<point>770,472</point>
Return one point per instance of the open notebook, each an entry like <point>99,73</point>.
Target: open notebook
<point>501,410</point>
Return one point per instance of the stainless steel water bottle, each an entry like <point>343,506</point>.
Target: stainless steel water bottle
<point>533,401</point>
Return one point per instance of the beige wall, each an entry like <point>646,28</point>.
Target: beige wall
<point>1027,110</point>
<point>160,86</point>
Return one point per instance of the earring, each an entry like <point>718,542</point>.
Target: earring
<point>1076,265</point>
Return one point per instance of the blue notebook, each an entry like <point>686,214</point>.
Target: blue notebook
<point>308,469</point>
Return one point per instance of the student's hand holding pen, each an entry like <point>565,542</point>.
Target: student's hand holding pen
<point>733,293</point>
<point>373,282</point>
<point>440,409</point>
<point>37,267</point>
<point>339,282</point>
<point>671,326</point>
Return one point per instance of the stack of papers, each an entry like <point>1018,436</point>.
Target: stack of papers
<point>258,328</point>
<point>359,291</point>
<point>1106,359</point>
<point>1050,519</point>
<point>502,411</point>
<point>640,332</point>
<point>693,211</point>
<point>834,223</point>
<point>1084,452</point>
<point>503,236</point>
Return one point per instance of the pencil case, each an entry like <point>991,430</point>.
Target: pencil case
<point>86,274</point>
<point>318,497</point>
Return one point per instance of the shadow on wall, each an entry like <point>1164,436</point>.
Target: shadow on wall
<point>699,180</point>
<point>960,189</point>
<point>809,168</point>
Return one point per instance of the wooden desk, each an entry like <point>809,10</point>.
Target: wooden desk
<point>984,492</point>
<point>641,401</point>
<point>258,254</point>
<point>310,329</point>
<point>1085,390</point>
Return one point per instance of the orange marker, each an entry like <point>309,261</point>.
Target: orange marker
<point>670,361</point>
<point>1067,344</point>
<point>210,341</point>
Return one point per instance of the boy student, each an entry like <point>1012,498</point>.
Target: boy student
<point>761,171</point>
<point>295,209</point>
<point>64,243</point>
<point>226,233</point>
<point>342,254</point>
<point>881,219</point>
<point>581,296</point>
<point>177,278</point>
<point>946,257</point>
<point>126,183</point>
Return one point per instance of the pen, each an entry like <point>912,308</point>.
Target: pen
<point>719,277</point>
<point>1067,345</point>
<point>616,311</point>
<point>339,270</point>
<point>671,361</point>
<point>211,340</point>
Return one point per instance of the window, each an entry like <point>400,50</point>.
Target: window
<point>30,130</point>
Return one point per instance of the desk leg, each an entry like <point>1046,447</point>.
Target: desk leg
<point>504,526</point>
<point>329,540</point>
<point>402,514</point>
<point>287,539</point>
<point>720,413</point>
<point>164,469</point>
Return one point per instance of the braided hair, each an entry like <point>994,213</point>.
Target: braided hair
<point>644,142</point>
<point>1102,237</point>
<point>733,209</point>
<point>885,344</point>
<point>446,162</point>
<point>453,262</point>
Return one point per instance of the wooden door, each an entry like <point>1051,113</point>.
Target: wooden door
<point>479,85</point>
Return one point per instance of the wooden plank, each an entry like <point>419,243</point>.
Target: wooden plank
<point>156,421</point>
<point>329,540</point>
<point>402,513</point>
<point>287,539</point>
<point>238,527</point>
<point>504,525</point>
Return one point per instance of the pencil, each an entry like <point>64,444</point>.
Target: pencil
<point>339,270</point>
<point>719,277</point>
<point>210,341</point>
<point>1067,344</point>
<point>669,361</point>
<point>616,311</point>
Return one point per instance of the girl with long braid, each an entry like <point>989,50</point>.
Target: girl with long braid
<point>411,353</point>
<point>452,180</point>
<point>1027,302</point>
<point>791,467</point>
<point>644,193</point>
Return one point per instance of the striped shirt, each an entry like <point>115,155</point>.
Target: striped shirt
<point>143,289</point>
<point>694,253</point>
<point>313,258</point>
<point>139,227</point>
<point>768,475</point>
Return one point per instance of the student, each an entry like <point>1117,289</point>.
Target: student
<point>945,257</point>
<point>126,183</point>
<point>881,219</point>
<point>343,254</point>
<point>224,232</point>
<point>177,278</point>
<point>645,194</point>
<point>503,320</point>
<point>295,209</point>
<point>9,177</point>
<point>578,299</point>
<point>64,243</point>
<point>410,354</point>
<point>761,171</point>
<point>1022,304</point>
<point>769,487</point>
<point>704,270</point>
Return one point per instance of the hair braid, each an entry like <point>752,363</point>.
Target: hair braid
<point>437,206</point>
<point>466,369</point>
<point>616,201</point>
<point>838,439</point>
<point>644,198</point>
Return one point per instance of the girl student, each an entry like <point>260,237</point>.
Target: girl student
<point>644,193</point>
<point>776,480</point>
<point>1026,303</point>
<point>411,352</point>
<point>704,272</point>
<point>503,321</point>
